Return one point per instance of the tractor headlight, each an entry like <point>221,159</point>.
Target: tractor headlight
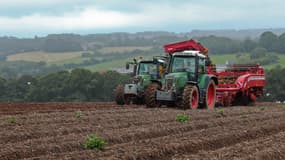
<point>137,79</point>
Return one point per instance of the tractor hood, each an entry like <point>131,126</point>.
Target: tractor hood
<point>143,80</point>
<point>177,79</point>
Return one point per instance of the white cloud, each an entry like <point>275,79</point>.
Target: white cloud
<point>89,18</point>
<point>157,14</point>
<point>94,18</point>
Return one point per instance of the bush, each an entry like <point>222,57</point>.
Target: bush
<point>12,120</point>
<point>262,108</point>
<point>95,142</point>
<point>78,115</point>
<point>182,118</point>
<point>221,112</point>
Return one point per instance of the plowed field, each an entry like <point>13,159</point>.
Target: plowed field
<point>52,131</point>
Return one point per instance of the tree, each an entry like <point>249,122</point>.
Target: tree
<point>275,84</point>
<point>248,45</point>
<point>268,41</point>
<point>258,53</point>
<point>280,46</point>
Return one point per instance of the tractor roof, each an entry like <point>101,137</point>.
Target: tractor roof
<point>189,53</point>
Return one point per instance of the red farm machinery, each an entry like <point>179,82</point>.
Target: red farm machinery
<point>238,84</point>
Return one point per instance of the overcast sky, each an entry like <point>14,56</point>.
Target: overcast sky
<point>26,18</point>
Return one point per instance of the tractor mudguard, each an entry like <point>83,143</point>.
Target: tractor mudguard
<point>156,81</point>
<point>203,86</point>
<point>192,82</point>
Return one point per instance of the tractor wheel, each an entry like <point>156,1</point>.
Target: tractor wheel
<point>150,98</point>
<point>127,99</point>
<point>119,95</point>
<point>245,100</point>
<point>190,97</point>
<point>210,99</point>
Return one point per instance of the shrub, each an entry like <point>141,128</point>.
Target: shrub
<point>12,120</point>
<point>78,115</point>
<point>262,108</point>
<point>221,112</point>
<point>95,142</point>
<point>182,118</point>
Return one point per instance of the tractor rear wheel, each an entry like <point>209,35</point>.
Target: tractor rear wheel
<point>210,99</point>
<point>150,97</point>
<point>127,99</point>
<point>119,95</point>
<point>190,98</point>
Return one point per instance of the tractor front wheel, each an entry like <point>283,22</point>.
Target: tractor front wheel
<point>150,97</point>
<point>119,95</point>
<point>190,97</point>
<point>210,99</point>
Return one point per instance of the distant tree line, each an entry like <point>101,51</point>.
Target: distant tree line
<point>76,85</point>
<point>222,45</point>
<point>84,85</point>
<point>16,69</point>
<point>72,42</point>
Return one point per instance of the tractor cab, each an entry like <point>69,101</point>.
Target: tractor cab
<point>188,63</point>
<point>186,82</point>
<point>144,71</point>
<point>185,67</point>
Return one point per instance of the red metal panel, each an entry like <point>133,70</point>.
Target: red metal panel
<point>185,45</point>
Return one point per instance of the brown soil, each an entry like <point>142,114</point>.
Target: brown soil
<point>51,131</point>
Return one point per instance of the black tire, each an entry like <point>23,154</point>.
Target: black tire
<point>210,98</point>
<point>190,98</point>
<point>127,99</point>
<point>245,100</point>
<point>119,95</point>
<point>150,97</point>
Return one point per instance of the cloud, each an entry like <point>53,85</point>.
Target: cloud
<point>113,16</point>
<point>94,18</point>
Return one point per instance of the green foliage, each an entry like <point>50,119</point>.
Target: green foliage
<point>275,84</point>
<point>12,120</point>
<point>268,40</point>
<point>76,85</point>
<point>262,108</point>
<point>95,142</point>
<point>182,118</point>
<point>221,112</point>
<point>258,53</point>
<point>78,115</point>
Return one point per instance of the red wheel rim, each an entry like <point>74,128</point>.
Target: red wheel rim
<point>211,96</point>
<point>194,103</point>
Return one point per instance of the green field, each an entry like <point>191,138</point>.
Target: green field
<point>108,50</point>
<point>217,59</point>
<point>44,56</point>
<point>281,62</point>
<point>112,64</point>
<point>75,58</point>
<point>222,59</point>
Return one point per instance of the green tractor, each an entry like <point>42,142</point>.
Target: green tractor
<point>143,72</point>
<point>186,83</point>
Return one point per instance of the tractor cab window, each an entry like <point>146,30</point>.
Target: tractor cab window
<point>147,68</point>
<point>201,67</point>
<point>183,64</point>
